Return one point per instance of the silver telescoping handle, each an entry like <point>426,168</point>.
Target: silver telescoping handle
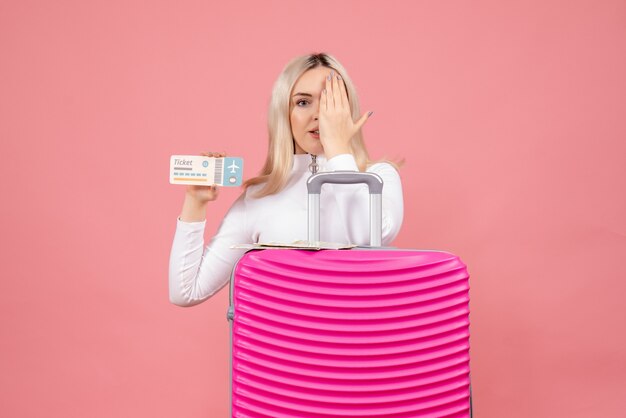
<point>375,184</point>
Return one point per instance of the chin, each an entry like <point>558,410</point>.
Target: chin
<point>316,149</point>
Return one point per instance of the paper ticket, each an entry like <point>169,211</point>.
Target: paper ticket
<point>205,171</point>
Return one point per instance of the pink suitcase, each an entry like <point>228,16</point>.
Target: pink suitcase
<point>367,332</point>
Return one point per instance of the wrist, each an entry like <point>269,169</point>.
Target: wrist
<point>333,151</point>
<point>194,210</point>
<point>195,199</point>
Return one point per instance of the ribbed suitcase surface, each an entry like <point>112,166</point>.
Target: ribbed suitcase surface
<point>358,333</point>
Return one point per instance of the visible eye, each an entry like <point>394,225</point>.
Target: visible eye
<point>300,101</point>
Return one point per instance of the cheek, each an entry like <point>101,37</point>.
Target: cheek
<point>297,120</point>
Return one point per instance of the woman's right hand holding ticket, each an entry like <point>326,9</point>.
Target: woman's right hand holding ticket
<point>197,197</point>
<point>203,194</point>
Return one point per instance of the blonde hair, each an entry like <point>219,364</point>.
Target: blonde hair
<point>279,161</point>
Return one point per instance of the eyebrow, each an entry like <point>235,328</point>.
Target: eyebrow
<point>302,94</point>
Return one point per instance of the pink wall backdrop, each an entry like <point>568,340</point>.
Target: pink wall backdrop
<point>510,116</point>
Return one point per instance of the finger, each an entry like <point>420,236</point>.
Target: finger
<point>336,91</point>
<point>330,104</point>
<point>211,154</point>
<point>362,121</point>
<point>323,101</point>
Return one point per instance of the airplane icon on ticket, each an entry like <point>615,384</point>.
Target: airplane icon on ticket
<point>233,167</point>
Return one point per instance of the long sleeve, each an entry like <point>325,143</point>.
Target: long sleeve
<point>197,272</point>
<point>353,201</point>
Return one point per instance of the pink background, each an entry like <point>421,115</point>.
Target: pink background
<point>511,119</point>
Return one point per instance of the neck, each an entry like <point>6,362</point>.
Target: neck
<point>301,162</point>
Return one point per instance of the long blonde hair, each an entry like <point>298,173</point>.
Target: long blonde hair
<point>277,167</point>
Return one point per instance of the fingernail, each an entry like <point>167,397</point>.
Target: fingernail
<point>369,114</point>
<point>328,78</point>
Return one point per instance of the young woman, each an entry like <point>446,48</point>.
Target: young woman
<point>314,125</point>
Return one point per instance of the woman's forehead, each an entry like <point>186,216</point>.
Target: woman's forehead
<point>312,81</point>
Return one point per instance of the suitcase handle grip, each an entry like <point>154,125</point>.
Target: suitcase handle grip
<point>374,182</point>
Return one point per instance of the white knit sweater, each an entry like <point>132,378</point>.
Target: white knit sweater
<point>197,272</point>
